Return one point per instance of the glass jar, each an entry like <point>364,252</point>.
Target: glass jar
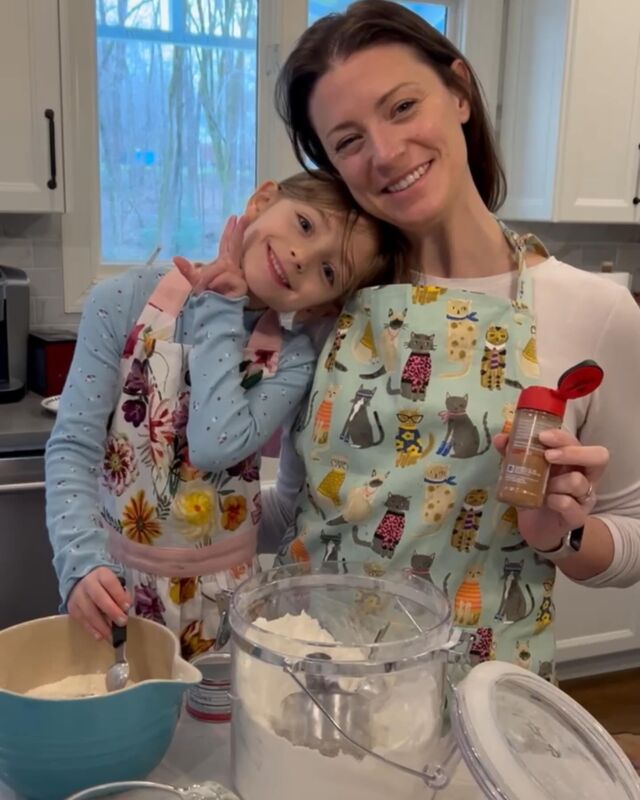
<point>337,678</point>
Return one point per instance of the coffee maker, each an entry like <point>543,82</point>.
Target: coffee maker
<point>14,333</point>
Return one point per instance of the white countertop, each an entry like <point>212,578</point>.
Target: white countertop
<point>201,751</point>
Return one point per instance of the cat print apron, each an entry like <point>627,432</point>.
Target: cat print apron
<point>401,471</point>
<point>184,536</point>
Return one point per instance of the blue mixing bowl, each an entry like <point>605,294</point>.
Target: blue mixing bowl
<point>50,749</point>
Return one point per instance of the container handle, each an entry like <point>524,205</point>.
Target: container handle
<point>435,777</point>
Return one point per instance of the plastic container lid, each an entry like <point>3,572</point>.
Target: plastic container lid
<point>524,739</point>
<point>578,381</point>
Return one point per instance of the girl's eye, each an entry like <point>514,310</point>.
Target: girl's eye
<point>404,106</point>
<point>329,273</point>
<point>304,223</point>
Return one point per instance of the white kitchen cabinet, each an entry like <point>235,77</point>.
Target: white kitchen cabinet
<point>31,175</point>
<point>597,630</point>
<point>570,121</point>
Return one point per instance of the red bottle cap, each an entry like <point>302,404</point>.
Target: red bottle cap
<point>578,381</point>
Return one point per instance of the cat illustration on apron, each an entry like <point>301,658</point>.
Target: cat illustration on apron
<point>445,369</point>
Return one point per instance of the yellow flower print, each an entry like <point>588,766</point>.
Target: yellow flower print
<point>192,642</point>
<point>234,512</point>
<point>194,509</point>
<point>139,520</point>
<point>181,590</point>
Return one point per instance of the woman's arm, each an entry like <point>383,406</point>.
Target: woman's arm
<point>226,422</point>
<point>610,553</point>
<point>279,501</point>
<point>76,447</point>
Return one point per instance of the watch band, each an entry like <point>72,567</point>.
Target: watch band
<point>569,545</point>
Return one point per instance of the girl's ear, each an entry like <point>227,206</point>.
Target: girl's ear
<point>266,194</point>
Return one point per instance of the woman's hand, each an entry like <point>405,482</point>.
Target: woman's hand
<point>97,601</point>
<point>224,274</point>
<point>571,495</point>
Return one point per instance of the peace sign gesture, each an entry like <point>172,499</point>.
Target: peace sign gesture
<point>224,274</point>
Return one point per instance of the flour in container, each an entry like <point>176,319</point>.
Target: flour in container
<point>405,725</point>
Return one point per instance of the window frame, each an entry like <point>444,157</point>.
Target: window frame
<point>280,22</point>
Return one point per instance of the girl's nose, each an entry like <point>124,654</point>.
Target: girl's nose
<point>296,261</point>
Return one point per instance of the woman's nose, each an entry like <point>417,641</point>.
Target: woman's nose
<point>385,149</point>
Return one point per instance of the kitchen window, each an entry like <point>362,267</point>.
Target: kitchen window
<point>180,126</point>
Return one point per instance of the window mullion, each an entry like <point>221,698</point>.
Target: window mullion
<point>280,23</point>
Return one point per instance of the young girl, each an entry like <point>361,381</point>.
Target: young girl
<point>153,465</point>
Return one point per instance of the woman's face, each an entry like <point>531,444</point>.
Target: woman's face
<point>394,132</point>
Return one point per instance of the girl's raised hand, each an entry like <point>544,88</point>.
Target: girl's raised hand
<point>223,274</point>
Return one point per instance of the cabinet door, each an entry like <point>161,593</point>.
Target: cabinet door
<point>597,630</point>
<point>600,132</point>
<point>30,87</point>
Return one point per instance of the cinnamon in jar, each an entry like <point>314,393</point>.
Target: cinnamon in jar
<point>524,473</point>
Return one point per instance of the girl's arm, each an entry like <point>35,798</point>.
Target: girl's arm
<point>226,422</point>
<point>76,447</point>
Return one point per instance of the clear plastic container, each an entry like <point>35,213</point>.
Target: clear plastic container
<point>366,650</point>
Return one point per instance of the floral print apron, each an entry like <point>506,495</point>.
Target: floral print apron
<point>401,472</point>
<point>184,536</point>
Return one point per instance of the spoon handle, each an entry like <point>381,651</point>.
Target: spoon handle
<point>119,633</point>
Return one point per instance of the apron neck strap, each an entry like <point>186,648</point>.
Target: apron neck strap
<point>171,293</point>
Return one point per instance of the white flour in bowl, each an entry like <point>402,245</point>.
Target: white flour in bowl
<point>405,726</point>
<point>72,687</point>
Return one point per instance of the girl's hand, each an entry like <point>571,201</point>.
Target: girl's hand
<point>571,495</point>
<point>224,274</point>
<point>97,601</point>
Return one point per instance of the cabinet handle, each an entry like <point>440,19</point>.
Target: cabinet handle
<point>636,199</point>
<point>5,488</point>
<point>52,183</point>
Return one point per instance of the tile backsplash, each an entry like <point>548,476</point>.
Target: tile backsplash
<point>33,242</point>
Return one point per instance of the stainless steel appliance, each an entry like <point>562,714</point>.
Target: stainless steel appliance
<point>14,331</point>
<point>28,583</point>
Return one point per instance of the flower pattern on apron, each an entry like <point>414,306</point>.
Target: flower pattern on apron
<point>398,452</point>
<point>183,535</point>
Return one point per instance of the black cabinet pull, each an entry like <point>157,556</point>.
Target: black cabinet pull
<point>52,183</point>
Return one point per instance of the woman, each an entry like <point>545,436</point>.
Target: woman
<point>421,378</point>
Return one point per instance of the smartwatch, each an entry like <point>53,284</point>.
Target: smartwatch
<point>569,544</point>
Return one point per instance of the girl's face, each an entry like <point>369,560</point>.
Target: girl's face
<point>393,130</point>
<point>293,255</point>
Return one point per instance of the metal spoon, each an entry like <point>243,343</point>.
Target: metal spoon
<point>118,672</point>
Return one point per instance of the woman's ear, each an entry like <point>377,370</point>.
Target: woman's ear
<point>266,194</point>
<point>464,108</point>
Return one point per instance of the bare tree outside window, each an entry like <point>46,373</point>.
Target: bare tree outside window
<point>177,122</point>
<point>177,96</point>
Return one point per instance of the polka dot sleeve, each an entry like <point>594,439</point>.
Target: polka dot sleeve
<point>76,446</point>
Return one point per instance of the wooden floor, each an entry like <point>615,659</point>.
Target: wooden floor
<point>613,699</point>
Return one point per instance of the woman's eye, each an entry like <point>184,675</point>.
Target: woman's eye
<point>329,273</point>
<point>404,106</point>
<point>304,223</point>
<point>343,143</point>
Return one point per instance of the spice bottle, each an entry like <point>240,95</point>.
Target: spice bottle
<point>525,471</point>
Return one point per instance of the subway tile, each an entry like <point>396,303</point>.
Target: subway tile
<point>16,253</point>
<point>40,227</point>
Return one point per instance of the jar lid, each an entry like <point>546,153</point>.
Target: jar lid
<point>578,381</point>
<point>524,739</point>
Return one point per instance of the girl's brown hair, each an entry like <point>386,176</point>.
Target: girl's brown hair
<point>368,23</point>
<point>321,190</point>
